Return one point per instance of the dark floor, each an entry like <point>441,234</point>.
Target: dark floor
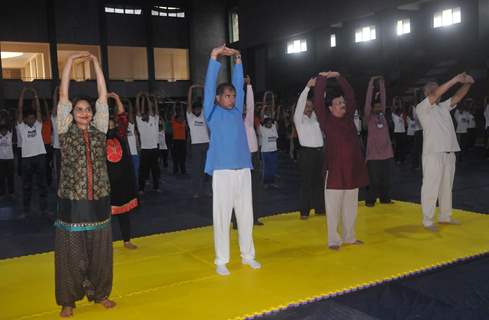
<point>460,291</point>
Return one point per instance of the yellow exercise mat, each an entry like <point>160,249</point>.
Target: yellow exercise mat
<point>172,276</point>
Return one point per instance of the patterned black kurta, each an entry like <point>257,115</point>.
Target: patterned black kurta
<point>83,245</point>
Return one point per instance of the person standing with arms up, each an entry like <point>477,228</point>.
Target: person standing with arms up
<point>311,155</point>
<point>439,147</point>
<point>229,160</point>
<point>83,240</point>
<point>347,171</point>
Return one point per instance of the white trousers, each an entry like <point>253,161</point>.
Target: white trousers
<point>232,189</point>
<point>438,174</point>
<point>341,205</point>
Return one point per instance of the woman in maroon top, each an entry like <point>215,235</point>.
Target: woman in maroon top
<point>344,159</point>
<point>379,145</point>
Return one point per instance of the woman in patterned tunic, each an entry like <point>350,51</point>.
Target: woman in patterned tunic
<point>83,244</point>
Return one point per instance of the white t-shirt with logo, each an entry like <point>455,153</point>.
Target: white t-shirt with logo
<point>472,123</point>
<point>413,126</point>
<point>398,123</point>
<point>19,138</point>
<point>148,132</point>
<point>162,140</point>
<point>486,115</point>
<point>358,122</point>
<point>54,135</point>
<point>131,139</point>
<point>463,121</point>
<point>6,151</point>
<point>268,138</point>
<point>198,128</point>
<point>32,143</point>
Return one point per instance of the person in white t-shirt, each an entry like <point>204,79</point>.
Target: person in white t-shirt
<point>6,156</point>
<point>415,134</point>
<point>33,154</point>
<point>269,136</point>
<point>55,136</point>
<point>133,140</point>
<point>147,122</point>
<point>162,146</point>
<point>399,131</point>
<point>462,118</point>
<point>199,136</point>
<point>18,151</point>
<point>486,125</point>
<point>439,145</point>
<point>472,128</point>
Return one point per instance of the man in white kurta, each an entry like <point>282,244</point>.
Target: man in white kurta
<point>439,147</point>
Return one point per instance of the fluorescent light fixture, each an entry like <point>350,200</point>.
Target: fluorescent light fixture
<point>333,40</point>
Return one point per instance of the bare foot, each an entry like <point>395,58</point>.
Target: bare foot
<point>66,312</point>
<point>130,245</point>
<point>431,228</point>
<point>107,304</point>
<point>334,247</point>
<point>451,221</point>
<point>357,242</point>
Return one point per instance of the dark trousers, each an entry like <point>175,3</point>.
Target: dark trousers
<point>149,162</point>
<point>199,177</point>
<point>7,176</point>
<point>34,167</point>
<point>269,166</point>
<point>463,141</point>
<point>180,152</point>
<point>311,192</point>
<point>400,151</point>
<point>125,226</point>
<point>49,164</point>
<point>471,137</point>
<point>164,157</point>
<point>379,175</point>
<point>417,149</point>
<point>19,161</point>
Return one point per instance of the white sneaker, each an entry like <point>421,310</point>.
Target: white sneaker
<point>222,270</point>
<point>252,263</point>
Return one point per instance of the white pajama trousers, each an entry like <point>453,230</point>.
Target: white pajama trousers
<point>438,174</point>
<point>341,205</point>
<point>232,189</point>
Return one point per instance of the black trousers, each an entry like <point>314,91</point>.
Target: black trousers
<point>180,156</point>
<point>149,162</point>
<point>311,176</point>
<point>125,225</point>
<point>379,175</point>
<point>417,149</point>
<point>463,140</point>
<point>7,176</point>
<point>34,168</point>
<point>164,157</point>
<point>19,161</point>
<point>199,177</point>
<point>49,164</point>
<point>400,151</point>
